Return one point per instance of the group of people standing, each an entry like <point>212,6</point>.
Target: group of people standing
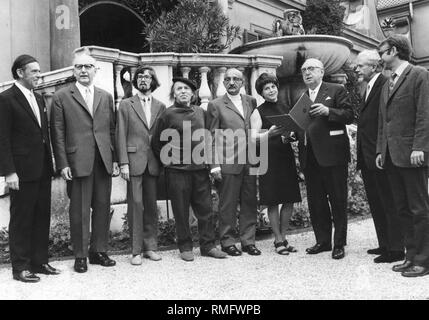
<point>92,142</point>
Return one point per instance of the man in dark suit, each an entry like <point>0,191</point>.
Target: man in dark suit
<point>377,187</point>
<point>26,161</point>
<point>83,137</point>
<point>324,155</point>
<point>402,149</point>
<point>139,166</point>
<point>231,114</point>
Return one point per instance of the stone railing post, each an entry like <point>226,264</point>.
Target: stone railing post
<point>185,72</point>
<point>220,79</point>
<point>118,84</point>
<point>243,88</point>
<point>204,92</point>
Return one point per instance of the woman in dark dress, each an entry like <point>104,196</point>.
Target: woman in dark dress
<point>279,185</point>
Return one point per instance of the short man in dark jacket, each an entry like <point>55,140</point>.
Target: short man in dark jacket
<point>187,176</point>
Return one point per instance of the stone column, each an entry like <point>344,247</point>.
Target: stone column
<point>65,32</point>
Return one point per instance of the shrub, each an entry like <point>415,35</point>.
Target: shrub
<point>191,26</point>
<point>324,17</point>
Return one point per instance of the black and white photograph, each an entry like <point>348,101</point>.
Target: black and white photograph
<point>214,156</point>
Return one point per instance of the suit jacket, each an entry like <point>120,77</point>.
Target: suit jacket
<point>76,134</point>
<point>328,135</point>
<point>222,114</point>
<point>367,128</point>
<point>403,123</point>
<point>134,134</point>
<point>24,145</point>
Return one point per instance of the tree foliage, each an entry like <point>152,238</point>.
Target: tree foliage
<point>191,26</point>
<point>323,17</point>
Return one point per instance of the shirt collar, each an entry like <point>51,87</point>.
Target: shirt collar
<point>234,98</point>
<point>399,70</point>
<point>23,89</point>
<point>143,96</point>
<point>316,90</point>
<point>82,88</point>
<point>373,80</point>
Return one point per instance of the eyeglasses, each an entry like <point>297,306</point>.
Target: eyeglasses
<point>86,66</point>
<point>381,52</point>
<point>234,79</point>
<point>144,77</point>
<point>310,69</point>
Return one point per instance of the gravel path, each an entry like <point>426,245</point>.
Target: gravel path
<point>269,276</point>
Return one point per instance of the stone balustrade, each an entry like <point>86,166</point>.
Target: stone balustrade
<point>207,69</point>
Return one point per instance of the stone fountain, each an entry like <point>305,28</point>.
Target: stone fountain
<point>295,47</point>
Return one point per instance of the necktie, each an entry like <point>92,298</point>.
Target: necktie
<point>146,109</point>
<point>392,81</point>
<point>368,90</point>
<point>35,108</point>
<point>312,95</point>
<point>88,99</point>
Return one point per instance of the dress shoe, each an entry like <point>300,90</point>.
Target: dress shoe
<point>136,260</point>
<point>80,265</point>
<point>378,251</point>
<point>318,248</point>
<point>188,256</point>
<point>252,250</point>
<point>338,253</point>
<point>390,256</point>
<point>45,269</point>
<point>214,253</point>
<point>26,276</point>
<point>415,271</point>
<point>403,266</point>
<point>232,250</point>
<point>152,255</point>
<point>101,258</point>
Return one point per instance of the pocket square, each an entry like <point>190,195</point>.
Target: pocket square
<point>328,98</point>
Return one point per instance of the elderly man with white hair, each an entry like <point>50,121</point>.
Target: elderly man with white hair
<point>324,157</point>
<point>377,187</point>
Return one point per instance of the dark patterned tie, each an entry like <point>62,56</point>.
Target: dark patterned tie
<point>392,81</point>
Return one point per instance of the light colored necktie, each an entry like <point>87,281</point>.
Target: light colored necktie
<point>35,108</point>
<point>88,100</point>
<point>146,108</point>
<point>312,95</point>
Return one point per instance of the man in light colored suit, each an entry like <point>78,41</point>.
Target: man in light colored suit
<point>83,131</point>
<point>324,155</point>
<point>402,149</point>
<point>231,114</point>
<point>139,166</point>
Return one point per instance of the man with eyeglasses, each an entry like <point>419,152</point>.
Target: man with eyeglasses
<point>324,157</point>
<point>26,162</point>
<point>83,139</point>
<point>402,149</point>
<point>377,187</point>
<point>135,126</point>
<point>231,113</point>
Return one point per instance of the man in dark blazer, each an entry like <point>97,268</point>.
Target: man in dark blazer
<point>83,138</point>
<point>139,166</point>
<point>324,155</point>
<point>231,113</point>
<point>26,162</point>
<point>377,187</point>
<point>402,149</point>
